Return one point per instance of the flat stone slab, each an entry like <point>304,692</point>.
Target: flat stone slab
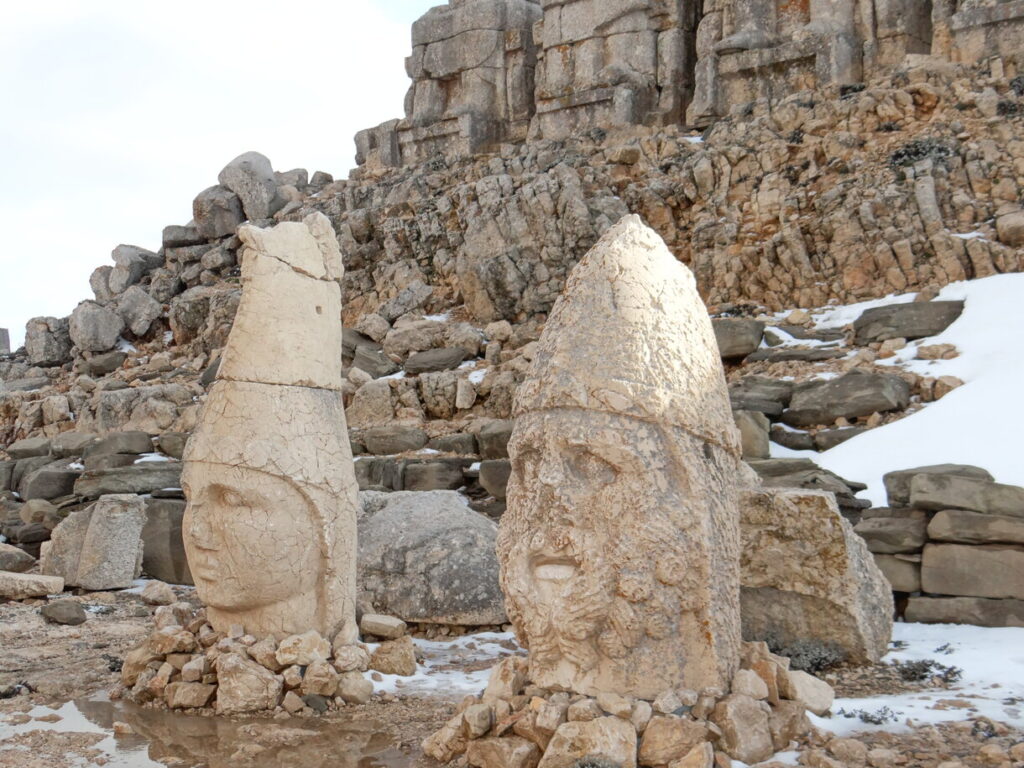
<point>963,527</point>
<point>980,611</point>
<point>737,336</point>
<point>906,321</point>
<point>960,570</point>
<point>850,396</point>
<point>897,484</point>
<point>138,478</point>
<point>894,535</point>
<point>21,586</point>
<point>938,492</point>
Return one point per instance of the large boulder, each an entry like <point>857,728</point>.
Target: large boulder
<point>138,310</point>
<point>428,558</point>
<point>131,264</point>
<point>47,341</point>
<point>99,548</point>
<point>906,321</point>
<point>15,560</point>
<point>251,177</point>
<point>94,328</point>
<point>981,611</point>
<point>808,579</point>
<point>217,212</point>
<point>855,394</point>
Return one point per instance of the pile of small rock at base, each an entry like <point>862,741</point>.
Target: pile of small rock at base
<point>951,540</point>
<point>518,725</point>
<point>186,664</point>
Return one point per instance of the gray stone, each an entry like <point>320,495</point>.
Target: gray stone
<point>427,557</point>
<point>69,612</point>
<point>753,427</point>
<point>894,535</point>
<point>461,443</point>
<point>47,341</point>
<point>827,439</point>
<point>172,443</point>
<point>393,438</point>
<point>937,492</point>
<point>979,611</point>
<point>138,310</point>
<point>5,342</point>
<point>760,393</point>
<point>131,264</point>
<point>217,212</point>
<point>494,475</point>
<point>903,575</point>
<point>15,560</point>
<point>120,442</point>
<point>493,439</point>
<point>139,478</point>
<point>100,364</point>
<point>973,571</point>
<point>110,461</point>
<point>850,396</point>
<point>50,482</point>
<point>179,235</point>
<point>897,484</point>
<point>163,549</point>
<point>409,299</point>
<point>963,527</point>
<point>793,439</point>
<point>6,477</point>
<point>29,447</point>
<point>916,320</point>
<point>94,328</point>
<point>737,336</point>
<point>110,552</point>
<point>439,475</point>
<point>251,177</point>
<point>443,359</point>
<point>374,362</point>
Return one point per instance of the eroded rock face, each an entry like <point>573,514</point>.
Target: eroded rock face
<point>808,579</point>
<point>270,526</point>
<point>620,547</point>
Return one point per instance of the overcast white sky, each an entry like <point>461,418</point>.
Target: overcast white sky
<point>115,113</point>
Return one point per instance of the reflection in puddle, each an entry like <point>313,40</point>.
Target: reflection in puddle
<point>162,738</point>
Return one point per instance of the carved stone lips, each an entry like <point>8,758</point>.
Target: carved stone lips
<point>554,568</point>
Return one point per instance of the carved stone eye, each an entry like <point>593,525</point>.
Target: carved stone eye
<point>232,498</point>
<point>595,469</point>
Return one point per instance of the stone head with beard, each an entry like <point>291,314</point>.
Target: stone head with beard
<point>620,547</point>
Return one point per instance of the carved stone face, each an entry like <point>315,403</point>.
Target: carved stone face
<point>249,537</point>
<point>593,547</point>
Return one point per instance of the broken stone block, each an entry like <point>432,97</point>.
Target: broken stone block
<point>807,577</point>
<point>897,484</point>
<point>915,320</point>
<point>111,550</point>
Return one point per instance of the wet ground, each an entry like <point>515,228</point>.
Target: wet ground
<point>96,731</point>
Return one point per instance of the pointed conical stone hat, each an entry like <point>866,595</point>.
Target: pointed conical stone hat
<point>631,336</point>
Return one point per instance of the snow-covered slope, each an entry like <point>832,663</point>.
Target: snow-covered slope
<point>975,424</point>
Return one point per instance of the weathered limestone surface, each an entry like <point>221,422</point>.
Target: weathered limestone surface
<point>472,67</point>
<point>5,341</point>
<point>270,526</point>
<point>619,549</point>
<point>808,577</point>
<point>613,64</point>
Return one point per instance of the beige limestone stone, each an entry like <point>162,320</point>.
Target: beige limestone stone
<point>270,526</point>
<point>744,724</point>
<point>610,738</point>
<point>808,577</point>
<point>620,546</point>
<point>508,752</point>
<point>20,586</point>
<point>669,738</point>
<point>816,695</point>
<point>245,686</point>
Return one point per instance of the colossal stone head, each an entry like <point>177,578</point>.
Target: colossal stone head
<point>620,546</point>
<point>270,525</point>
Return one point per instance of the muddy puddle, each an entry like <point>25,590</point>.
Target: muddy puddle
<point>81,733</point>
